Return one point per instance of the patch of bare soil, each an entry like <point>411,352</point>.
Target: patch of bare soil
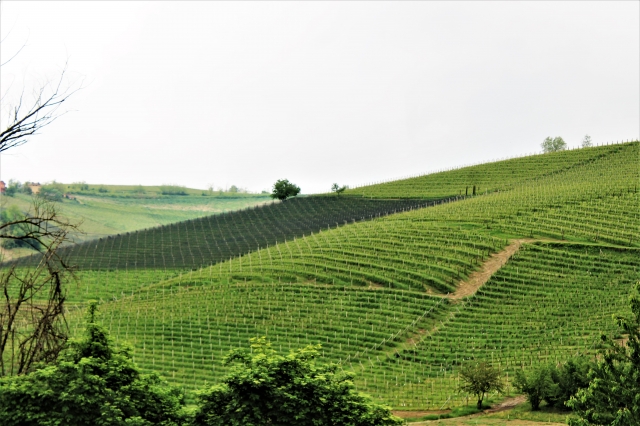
<point>412,414</point>
<point>5,255</point>
<point>507,404</point>
<point>491,266</point>
<point>465,421</point>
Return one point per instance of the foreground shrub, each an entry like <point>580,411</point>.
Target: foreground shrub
<point>92,384</point>
<point>264,388</point>
<point>537,385</point>
<point>613,395</point>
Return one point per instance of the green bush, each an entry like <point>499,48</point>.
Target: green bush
<point>570,377</point>
<point>92,384</point>
<point>50,193</point>
<point>172,190</point>
<point>264,388</point>
<point>537,385</point>
<point>613,395</point>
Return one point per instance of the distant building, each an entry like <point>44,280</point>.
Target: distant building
<point>3,187</point>
<point>35,187</point>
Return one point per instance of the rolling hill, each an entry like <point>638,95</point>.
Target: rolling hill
<point>382,295</point>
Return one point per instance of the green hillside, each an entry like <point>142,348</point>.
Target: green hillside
<point>489,177</point>
<point>374,293</point>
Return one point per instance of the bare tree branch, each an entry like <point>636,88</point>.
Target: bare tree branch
<point>43,111</point>
<point>33,328</point>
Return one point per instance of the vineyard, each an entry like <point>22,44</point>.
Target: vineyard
<point>406,346</point>
<point>372,279</point>
<point>484,178</point>
<point>208,240</point>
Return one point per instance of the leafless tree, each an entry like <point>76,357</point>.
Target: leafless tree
<point>33,328</point>
<point>32,322</point>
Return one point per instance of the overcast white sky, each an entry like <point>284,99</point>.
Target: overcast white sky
<point>245,93</point>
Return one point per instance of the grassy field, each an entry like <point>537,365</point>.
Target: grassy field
<point>103,215</point>
<point>374,293</point>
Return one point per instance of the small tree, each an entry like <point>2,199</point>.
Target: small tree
<point>479,379</point>
<point>586,142</point>
<point>613,395</point>
<point>92,383</point>
<point>553,145</point>
<point>537,385</point>
<point>335,188</point>
<point>264,388</point>
<point>284,189</point>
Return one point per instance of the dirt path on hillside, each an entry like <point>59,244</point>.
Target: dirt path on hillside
<point>479,419</point>
<point>507,404</point>
<point>466,421</point>
<point>490,267</point>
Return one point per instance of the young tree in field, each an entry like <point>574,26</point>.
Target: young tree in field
<point>284,189</point>
<point>264,388</point>
<point>479,379</point>
<point>553,145</point>
<point>92,383</point>
<point>586,142</point>
<point>613,395</point>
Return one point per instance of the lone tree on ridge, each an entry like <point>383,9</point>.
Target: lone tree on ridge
<point>553,145</point>
<point>338,189</point>
<point>284,189</point>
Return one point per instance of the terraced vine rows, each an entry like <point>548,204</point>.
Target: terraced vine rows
<point>406,346</point>
<point>208,240</point>
<point>597,202</point>
<point>184,332</point>
<point>551,301</point>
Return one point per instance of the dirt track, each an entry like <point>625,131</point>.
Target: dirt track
<point>490,267</point>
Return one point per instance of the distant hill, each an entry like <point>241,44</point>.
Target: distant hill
<point>111,209</point>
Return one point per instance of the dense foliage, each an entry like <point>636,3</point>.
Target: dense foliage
<point>264,388</point>
<point>479,379</point>
<point>613,395</point>
<point>93,383</point>
<point>537,385</point>
<point>553,144</point>
<point>284,189</point>
<point>555,384</point>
